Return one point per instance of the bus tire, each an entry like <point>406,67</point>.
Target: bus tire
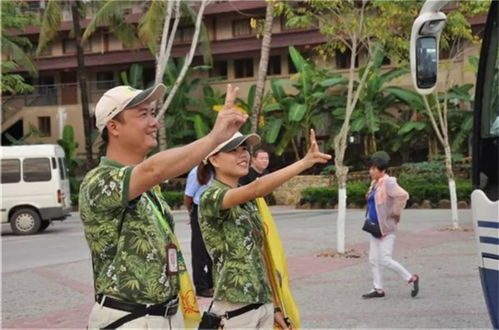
<point>25,221</point>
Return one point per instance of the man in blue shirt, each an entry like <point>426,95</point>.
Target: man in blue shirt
<point>201,261</point>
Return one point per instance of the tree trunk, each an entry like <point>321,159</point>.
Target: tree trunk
<point>183,71</point>
<point>162,59</point>
<point>452,185</point>
<point>82,79</point>
<point>295,149</point>
<point>262,69</point>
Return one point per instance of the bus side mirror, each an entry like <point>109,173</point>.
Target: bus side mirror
<point>425,38</point>
<point>426,62</point>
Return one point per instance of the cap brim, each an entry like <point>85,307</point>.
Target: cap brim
<point>148,95</point>
<point>250,139</point>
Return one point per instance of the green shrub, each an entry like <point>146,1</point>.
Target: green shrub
<point>356,192</point>
<point>175,199</point>
<point>420,188</point>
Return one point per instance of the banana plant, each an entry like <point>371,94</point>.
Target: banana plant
<point>134,77</point>
<point>371,118</point>
<point>290,116</point>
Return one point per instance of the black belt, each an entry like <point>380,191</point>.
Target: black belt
<point>165,309</point>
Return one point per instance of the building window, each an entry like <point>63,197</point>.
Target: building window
<point>274,67</point>
<point>44,126</point>
<point>105,79</point>
<point>36,169</point>
<point>69,46</point>
<point>184,33</point>
<point>242,27</point>
<point>343,59</point>
<point>11,170</point>
<point>243,68</point>
<point>219,69</point>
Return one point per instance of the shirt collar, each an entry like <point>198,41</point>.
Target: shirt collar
<point>104,161</point>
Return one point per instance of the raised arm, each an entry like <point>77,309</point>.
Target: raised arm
<point>267,183</point>
<point>174,162</point>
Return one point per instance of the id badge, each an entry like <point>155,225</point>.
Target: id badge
<point>172,264</point>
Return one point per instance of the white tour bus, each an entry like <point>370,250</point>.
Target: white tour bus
<point>34,187</point>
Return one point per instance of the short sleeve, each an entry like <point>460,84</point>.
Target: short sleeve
<point>108,189</point>
<point>210,204</point>
<point>192,184</point>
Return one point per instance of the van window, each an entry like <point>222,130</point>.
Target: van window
<point>11,170</point>
<point>54,163</point>
<point>36,169</point>
<point>62,170</point>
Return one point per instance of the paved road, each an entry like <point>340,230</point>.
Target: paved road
<point>47,281</point>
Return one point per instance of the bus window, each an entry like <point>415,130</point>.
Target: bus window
<point>486,124</point>
<point>490,111</point>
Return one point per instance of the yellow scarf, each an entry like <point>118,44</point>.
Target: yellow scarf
<point>277,262</point>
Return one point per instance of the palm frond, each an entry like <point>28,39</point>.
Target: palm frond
<point>52,18</point>
<point>112,15</point>
<point>150,25</point>
<point>18,55</point>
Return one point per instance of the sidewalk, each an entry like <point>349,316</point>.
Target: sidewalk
<point>328,290</point>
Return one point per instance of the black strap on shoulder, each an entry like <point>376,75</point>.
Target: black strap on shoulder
<point>242,310</point>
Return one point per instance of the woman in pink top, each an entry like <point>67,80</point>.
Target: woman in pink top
<point>385,201</point>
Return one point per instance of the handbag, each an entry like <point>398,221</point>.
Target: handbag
<point>372,228</point>
<point>210,321</point>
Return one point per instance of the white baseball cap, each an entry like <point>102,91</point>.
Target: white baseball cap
<point>235,141</point>
<point>120,98</point>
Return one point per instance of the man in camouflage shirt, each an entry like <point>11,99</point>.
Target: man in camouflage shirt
<point>128,225</point>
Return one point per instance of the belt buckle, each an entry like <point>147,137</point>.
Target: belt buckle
<point>173,303</point>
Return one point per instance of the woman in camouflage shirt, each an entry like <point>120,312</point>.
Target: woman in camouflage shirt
<point>233,231</point>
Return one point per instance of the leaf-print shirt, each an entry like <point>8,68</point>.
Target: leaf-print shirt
<point>126,241</point>
<point>234,239</point>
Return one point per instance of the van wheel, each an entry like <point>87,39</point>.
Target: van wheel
<point>45,224</point>
<point>25,222</point>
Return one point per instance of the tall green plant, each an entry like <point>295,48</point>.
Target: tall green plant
<point>69,145</point>
<point>290,118</point>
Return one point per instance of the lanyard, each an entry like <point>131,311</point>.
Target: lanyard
<point>159,217</point>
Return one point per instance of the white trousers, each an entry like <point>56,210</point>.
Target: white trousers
<point>101,317</point>
<point>260,318</point>
<point>380,254</point>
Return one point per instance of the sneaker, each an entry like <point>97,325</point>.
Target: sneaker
<point>374,294</point>
<point>415,285</point>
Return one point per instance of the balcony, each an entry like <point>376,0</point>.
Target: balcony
<point>53,95</point>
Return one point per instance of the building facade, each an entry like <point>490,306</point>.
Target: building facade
<point>235,49</point>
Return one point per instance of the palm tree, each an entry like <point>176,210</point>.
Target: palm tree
<point>51,22</point>
<point>12,47</point>
<point>371,116</point>
<point>262,68</point>
<point>154,31</point>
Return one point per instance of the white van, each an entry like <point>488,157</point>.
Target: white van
<point>34,187</point>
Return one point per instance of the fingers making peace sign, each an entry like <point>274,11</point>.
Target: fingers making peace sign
<point>314,155</point>
<point>229,121</point>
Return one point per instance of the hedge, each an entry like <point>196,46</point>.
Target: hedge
<point>420,188</point>
<point>175,199</point>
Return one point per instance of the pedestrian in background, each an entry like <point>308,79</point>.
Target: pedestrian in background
<point>258,168</point>
<point>385,202</point>
<point>201,261</point>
